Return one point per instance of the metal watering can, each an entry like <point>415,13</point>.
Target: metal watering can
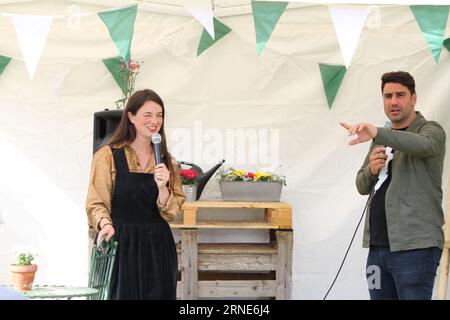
<point>203,177</point>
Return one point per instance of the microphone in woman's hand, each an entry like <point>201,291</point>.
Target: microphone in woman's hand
<point>156,140</point>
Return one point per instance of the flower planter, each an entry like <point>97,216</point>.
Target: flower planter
<point>190,191</point>
<point>250,190</point>
<point>23,276</point>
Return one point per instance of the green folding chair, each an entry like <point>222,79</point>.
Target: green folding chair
<point>102,262</point>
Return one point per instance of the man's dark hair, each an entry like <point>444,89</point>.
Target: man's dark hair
<point>401,77</point>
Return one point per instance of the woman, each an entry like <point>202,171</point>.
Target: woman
<point>131,198</point>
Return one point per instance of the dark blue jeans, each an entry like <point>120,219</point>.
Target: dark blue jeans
<point>404,275</point>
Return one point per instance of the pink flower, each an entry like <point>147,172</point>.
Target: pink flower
<point>250,175</point>
<point>188,176</point>
<point>133,66</point>
<point>129,75</point>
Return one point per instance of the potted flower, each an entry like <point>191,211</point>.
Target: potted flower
<point>188,180</point>
<point>106,121</point>
<point>23,272</point>
<point>129,75</point>
<point>240,185</point>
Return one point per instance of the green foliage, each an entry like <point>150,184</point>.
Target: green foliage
<point>25,259</point>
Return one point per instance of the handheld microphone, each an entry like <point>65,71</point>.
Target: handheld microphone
<point>383,174</point>
<point>156,140</point>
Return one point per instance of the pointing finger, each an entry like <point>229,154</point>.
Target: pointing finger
<point>345,125</point>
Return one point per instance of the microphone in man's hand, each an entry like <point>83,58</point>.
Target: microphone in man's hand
<point>156,140</point>
<point>388,125</point>
<point>383,173</point>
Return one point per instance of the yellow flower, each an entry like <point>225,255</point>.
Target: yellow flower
<point>262,176</point>
<point>239,173</point>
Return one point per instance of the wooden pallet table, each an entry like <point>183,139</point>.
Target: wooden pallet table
<point>238,270</point>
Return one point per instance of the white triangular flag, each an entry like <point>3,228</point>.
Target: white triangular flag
<point>32,32</point>
<point>55,74</point>
<point>202,10</point>
<point>348,22</point>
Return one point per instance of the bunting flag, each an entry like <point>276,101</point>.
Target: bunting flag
<point>202,11</point>
<point>446,44</point>
<point>332,76</point>
<point>432,20</point>
<point>120,24</point>
<point>32,32</point>
<point>265,16</point>
<point>4,61</point>
<point>118,72</point>
<point>207,41</point>
<point>348,22</point>
<point>56,74</point>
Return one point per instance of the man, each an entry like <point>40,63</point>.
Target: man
<point>403,173</point>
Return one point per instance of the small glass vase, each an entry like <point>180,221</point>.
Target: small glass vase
<point>190,190</point>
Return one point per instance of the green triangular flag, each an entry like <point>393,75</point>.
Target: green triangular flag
<point>4,62</point>
<point>206,41</point>
<point>120,24</point>
<point>332,76</point>
<point>447,43</point>
<point>432,21</point>
<point>118,71</point>
<point>265,16</point>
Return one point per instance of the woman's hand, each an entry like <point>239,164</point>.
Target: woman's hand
<point>107,230</point>
<point>162,176</point>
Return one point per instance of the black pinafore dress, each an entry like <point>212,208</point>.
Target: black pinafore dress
<point>146,260</point>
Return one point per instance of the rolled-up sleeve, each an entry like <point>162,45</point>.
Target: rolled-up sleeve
<point>98,203</point>
<point>176,197</point>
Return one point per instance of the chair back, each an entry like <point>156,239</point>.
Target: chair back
<point>102,262</point>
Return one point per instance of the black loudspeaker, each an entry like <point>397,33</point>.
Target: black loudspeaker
<point>105,123</point>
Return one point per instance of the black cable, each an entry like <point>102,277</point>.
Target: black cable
<point>351,241</point>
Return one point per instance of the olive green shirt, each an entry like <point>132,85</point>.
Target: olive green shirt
<point>413,200</point>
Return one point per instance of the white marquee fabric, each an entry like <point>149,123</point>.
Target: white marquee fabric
<point>46,125</point>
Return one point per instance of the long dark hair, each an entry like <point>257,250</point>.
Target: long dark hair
<point>126,132</point>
